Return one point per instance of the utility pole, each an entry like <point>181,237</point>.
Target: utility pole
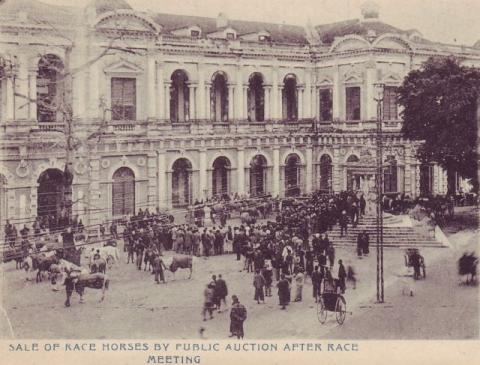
<point>379,95</point>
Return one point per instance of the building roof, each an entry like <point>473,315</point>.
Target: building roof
<point>40,13</point>
<point>103,6</point>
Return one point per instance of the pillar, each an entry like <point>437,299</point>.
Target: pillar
<point>239,113</point>
<point>152,183</point>
<point>370,107</point>
<point>167,100</point>
<point>276,172</point>
<point>300,102</point>
<point>309,169</point>
<point>32,92</point>
<point>10,98</point>
<point>201,105</point>
<point>336,93</point>
<point>191,102</point>
<point>268,89</point>
<point>203,187</point>
<point>162,185</point>
<point>21,89</point>
<point>275,98</point>
<point>241,171</point>
<point>336,173</point>
<point>307,110</point>
<point>151,77</point>
<point>160,99</point>
<point>245,101</point>
<point>95,216</point>
<point>208,110</point>
<point>230,102</point>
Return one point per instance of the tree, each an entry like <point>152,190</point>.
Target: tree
<point>440,103</point>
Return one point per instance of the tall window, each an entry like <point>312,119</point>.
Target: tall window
<point>390,108</point>
<point>390,175</point>
<point>123,192</point>
<point>123,98</point>
<point>256,98</point>
<point>49,89</point>
<point>353,103</point>
<point>289,96</point>
<point>326,105</point>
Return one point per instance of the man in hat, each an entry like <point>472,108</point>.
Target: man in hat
<point>238,315</point>
<point>343,220</point>
<point>158,267</point>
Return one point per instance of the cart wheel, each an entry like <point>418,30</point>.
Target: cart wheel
<point>321,311</point>
<point>340,310</point>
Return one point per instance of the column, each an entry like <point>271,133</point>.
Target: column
<point>151,76</point>
<point>230,102</point>
<point>371,105</point>
<point>276,172</point>
<point>336,93</point>
<point>201,112</point>
<point>191,101</point>
<point>203,187</point>
<point>241,171</point>
<point>162,186</point>
<point>10,98</point>
<point>336,177</point>
<point>300,102</point>
<point>307,110</point>
<point>239,113</point>
<point>152,183</point>
<point>275,97</point>
<point>279,109</point>
<point>160,94</point>
<point>94,90</point>
<point>208,110</point>
<point>167,101</point>
<point>32,93</point>
<point>21,89</point>
<point>408,181</point>
<point>245,101</point>
<point>268,89</point>
<point>309,169</point>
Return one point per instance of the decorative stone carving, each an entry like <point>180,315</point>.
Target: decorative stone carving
<point>22,169</point>
<point>141,161</point>
<point>105,164</point>
<point>80,167</point>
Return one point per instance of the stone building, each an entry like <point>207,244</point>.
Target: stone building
<point>168,109</point>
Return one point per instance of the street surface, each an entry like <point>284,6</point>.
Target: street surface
<point>137,308</point>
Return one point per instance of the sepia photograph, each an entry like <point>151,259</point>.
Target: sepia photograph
<point>239,170</point>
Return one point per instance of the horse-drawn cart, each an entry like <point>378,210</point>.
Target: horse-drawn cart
<point>414,260</point>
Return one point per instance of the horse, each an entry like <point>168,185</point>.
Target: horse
<point>179,262</point>
<point>98,266</point>
<point>467,265</point>
<point>78,282</point>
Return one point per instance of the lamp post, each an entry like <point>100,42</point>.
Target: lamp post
<point>379,95</point>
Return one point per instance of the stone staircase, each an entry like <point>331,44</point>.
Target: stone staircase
<point>395,234</point>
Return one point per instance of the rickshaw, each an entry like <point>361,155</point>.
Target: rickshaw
<point>331,300</point>
<point>411,256</point>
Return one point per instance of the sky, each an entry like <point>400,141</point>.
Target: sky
<point>447,21</point>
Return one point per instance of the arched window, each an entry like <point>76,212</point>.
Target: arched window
<point>292,175</point>
<point>289,97</point>
<point>326,174</point>
<point>219,98</point>
<point>50,193</point>
<point>50,89</point>
<point>390,175</point>
<point>181,183</point>
<point>179,94</point>
<point>123,192</point>
<point>256,98</point>
<point>353,158</point>
<point>220,176</point>
<point>258,170</point>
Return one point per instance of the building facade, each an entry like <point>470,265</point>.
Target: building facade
<point>169,109</point>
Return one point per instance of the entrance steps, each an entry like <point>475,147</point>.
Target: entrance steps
<point>395,234</point>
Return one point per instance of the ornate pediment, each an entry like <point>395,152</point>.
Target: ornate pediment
<point>353,77</point>
<point>124,67</point>
<point>391,78</point>
<point>127,20</point>
<point>325,81</point>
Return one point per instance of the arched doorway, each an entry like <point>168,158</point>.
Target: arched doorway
<point>50,193</point>
<point>179,94</point>
<point>326,174</point>
<point>258,172</point>
<point>220,176</point>
<point>181,183</point>
<point>390,176</point>
<point>49,89</point>
<point>123,192</point>
<point>292,175</point>
<point>256,98</point>
<point>426,179</point>
<point>353,179</point>
<point>219,97</point>
<point>289,97</point>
